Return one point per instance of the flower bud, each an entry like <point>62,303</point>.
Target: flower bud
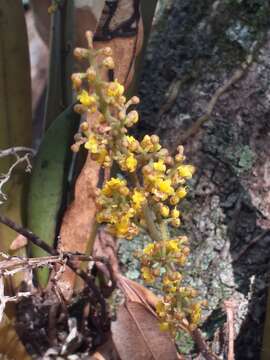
<point>108,63</point>
<point>81,53</point>
<point>84,126</point>
<point>75,148</point>
<point>89,38</point>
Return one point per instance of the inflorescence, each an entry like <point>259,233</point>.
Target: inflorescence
<point>148,194</point>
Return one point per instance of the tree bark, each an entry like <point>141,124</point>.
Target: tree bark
<point>210,59</point>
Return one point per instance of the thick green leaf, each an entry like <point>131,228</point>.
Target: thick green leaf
<point>59,89</point>
<point>49,182</point>
<point>15,106</point>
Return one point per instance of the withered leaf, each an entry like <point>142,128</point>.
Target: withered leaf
<point>10,345</point>
<point>137,336</point>
<point>135,292</point>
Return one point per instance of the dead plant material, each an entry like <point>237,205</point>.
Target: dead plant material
<point>137,336</point>
<point>11,346</point>
<point>229,307</point>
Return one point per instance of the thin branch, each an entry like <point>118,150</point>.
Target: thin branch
<point>229,306</point>
<point>19,159</point>
<point>28,234</point>
<point>202,345</point>
<point>15,150</point>
<point>43,245</point>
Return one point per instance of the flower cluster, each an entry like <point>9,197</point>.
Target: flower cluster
<point>163,260</point>
<point>119,207</point>
<point>150,190</point>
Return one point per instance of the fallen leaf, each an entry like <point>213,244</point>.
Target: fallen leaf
<point>11,346</point>
<point>136,335</point>
<point>79,219</point>
<point>135,292</point>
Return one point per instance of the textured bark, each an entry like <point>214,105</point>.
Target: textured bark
<point>195,49</point>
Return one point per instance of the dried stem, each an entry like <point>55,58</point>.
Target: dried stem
<point>229,306</point>
<point>19,159</point>
<point>202,346</point>
<point>38,242</point>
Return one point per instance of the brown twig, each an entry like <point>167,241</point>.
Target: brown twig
<point>19,159</point>
<point>251,243</point>
<point>39,242</point>
<point>229,306</point>
<point>202,345</point>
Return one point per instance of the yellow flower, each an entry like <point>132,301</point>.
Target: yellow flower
<point>176,223</point>
<point>130,139</point>
<point>86,99</point>
<point>138,199</point>
<point>196,313</point>
<point>146,143</point>
<point>164,210</point>
<point>164,326</point>
<point>115,89</point>
<point>160,308</point>
<point>175,213</point>
<point>92,144</point>
<point>165,186</point>
<point>148,250</point>
<point>159,166</point>
<point>102,156</point>
<point>147,274</point>
<point>186,171</point>
<point>131,163</point>
<point>181,192</point>
<point>122,226</point>
<point>166,281</point>
<point>112,185</point>
<point>172,245</point>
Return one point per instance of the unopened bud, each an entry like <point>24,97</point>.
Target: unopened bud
<point>135,100</point>
<point>89,38</point>
<point>168,160</point>
<point>81,53</point>
<point>76,81</point>
<point>107,51</point>
<point>108,63</point>
<point>80,109</point>
<point>91,74</point>
<point>75,148</point>
<point>155,139</point>
<point>84,126</point>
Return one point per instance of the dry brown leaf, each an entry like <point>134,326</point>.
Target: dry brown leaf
<point>10,345</point>
<point>87,14</point>
<point>136,335</point>
<point>135,292</point>
<point>79,220</point>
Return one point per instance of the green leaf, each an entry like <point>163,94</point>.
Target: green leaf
<point>49,182</point>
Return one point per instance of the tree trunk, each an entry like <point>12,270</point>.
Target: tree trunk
<point>212,58</point>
